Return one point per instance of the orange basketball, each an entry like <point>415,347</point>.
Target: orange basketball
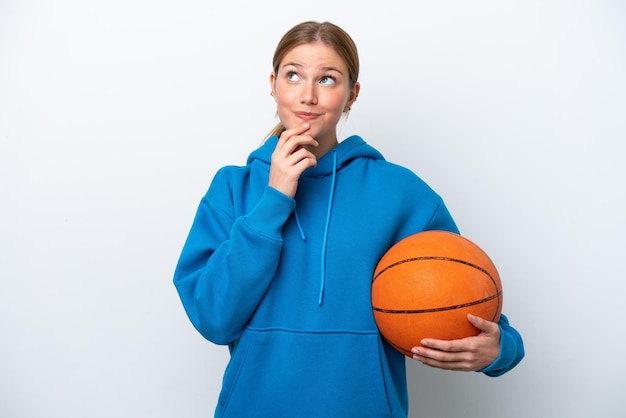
<point>426,284</point>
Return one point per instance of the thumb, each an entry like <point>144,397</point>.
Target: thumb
<point>482,324</point>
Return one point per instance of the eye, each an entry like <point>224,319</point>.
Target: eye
<point>292,76</point>
<point>327,80</point>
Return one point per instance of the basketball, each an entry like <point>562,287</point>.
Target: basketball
<point>425,286</point>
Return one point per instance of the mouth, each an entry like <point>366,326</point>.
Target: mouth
<point>307,115</point>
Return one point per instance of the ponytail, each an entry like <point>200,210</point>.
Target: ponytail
<point>278,129</point>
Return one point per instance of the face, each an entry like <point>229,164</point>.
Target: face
<point>312,86</point>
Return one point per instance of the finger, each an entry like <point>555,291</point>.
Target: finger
<point>445,365</point>
<point>443,345</point>
<point>482,324</point>
<point>299,157</point>
<point>296,130</point>
<point>438,355</point>
<point>293,152</point>
<point>286,136</point>
<point>476,357</point>
<point>290,144</point>
<point>442,359</point>
<point>293,132</point>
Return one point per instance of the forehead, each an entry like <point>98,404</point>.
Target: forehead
<point>314,55</point>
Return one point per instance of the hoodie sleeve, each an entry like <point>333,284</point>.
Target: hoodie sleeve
<point>442,220</point>
<point>511,350</point>
<point>228,262</point>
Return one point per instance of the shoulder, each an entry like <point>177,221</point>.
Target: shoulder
<point>397,176</point>
<point>237,188</point>
<point>228,174</point>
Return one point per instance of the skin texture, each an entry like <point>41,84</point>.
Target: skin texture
<point>312,91</point>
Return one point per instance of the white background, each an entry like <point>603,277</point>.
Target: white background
<point>115,115</point>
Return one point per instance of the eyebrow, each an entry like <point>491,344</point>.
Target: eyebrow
<point>297,65</point>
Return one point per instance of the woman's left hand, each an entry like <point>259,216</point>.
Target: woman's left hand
<point>467,354</point>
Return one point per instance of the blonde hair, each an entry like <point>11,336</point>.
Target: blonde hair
<point>310,32</point>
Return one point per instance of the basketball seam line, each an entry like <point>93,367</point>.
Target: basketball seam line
<point>454,260</point>
<point>444,308</point>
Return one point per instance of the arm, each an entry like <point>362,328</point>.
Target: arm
<point>228,261</point>
<point>227,265</point>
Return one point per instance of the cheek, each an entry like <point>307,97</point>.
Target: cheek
<point>339,98</point>
<point>282,105</point>
<point>285,98</point>
<point>338,102</point>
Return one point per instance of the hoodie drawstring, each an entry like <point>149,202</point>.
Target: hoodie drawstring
<point>325,242</point>
<point>299,225</point>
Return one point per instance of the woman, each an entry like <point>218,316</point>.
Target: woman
<point>279,260</point>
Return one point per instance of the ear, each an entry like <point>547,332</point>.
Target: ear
<point>354,93</point>
<point>273,84</point>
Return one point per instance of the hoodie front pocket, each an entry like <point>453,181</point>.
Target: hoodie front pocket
<point>279,373</point>
<point>232,374</point>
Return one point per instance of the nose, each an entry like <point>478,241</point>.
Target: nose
<point>308,94</point>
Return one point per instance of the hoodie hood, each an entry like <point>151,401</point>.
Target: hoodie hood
<point>328,165</point>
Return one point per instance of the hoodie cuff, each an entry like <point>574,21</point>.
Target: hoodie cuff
<point>271,212</point>
<point>511,350</point>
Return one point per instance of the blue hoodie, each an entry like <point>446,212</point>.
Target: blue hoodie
<point>286,283</point>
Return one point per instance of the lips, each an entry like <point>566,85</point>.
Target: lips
<point>307,115</point>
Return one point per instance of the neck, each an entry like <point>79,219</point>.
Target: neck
<point>322,149</point>
<point>325,145</point>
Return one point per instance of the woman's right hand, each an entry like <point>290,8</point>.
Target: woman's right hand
<point>290,158</point>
